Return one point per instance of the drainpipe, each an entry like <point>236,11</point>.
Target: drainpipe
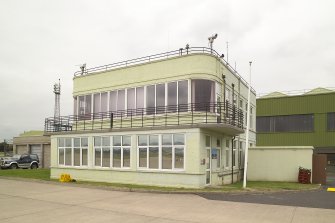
<point>224,88</point>
<point>232,158</point>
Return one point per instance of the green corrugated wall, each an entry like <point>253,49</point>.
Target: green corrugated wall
<point>319,105</point>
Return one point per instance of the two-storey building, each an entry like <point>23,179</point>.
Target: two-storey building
<point>171,119</point>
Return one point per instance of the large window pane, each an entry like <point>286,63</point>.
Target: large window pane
<point>97,141</point>
<point>61,156</point>
<point>121,100</point>
<point>76,142</point>
<point>178,139</point>
<point>97,155</point>
<point>116,140</point>
<point>331,121</point>
<point>106,141</point>
<point>116,156</point>
<point>113,101</point>
<point>81,105</point>
<point>172,96</point>
<point>131,101</point>
<point>68,142</point>
<point>153,157</point>
<point>68,156</point>
<point>84,142</point>
<point>182,95</point>
<point>179,158</point>
<point>61,142</point>
<point>75,106</point>
<point>96,102</point>
<point>103,102</point>
<point>126,140</point>
<point>151,99</point>
<point>167,139</point>
<point>105,157</point>
<point>160,98</point>
<point>202,94</point>
<point>142,140</point>
<point>139,100</point>
<point>126,157</point>
<point>167,157</point>
<point>142,156</point>
<point>84,157</point>
<point>88,104</point>
<point>76,153</point>
<point>153,140</point>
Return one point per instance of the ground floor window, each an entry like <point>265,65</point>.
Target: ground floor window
<point>162,151</point>
<point>112,151</point>
<point>73,151</point>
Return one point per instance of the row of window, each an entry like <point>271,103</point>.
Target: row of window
<point>292,123</point>
<point>165,151</point>
<point>154,98</point>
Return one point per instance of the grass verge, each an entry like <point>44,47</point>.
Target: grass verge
<point>257,186</point>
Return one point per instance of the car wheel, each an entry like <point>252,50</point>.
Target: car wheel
<point>13,166</point>
<point>34,166</point>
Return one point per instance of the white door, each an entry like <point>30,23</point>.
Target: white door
<point>37,149</point>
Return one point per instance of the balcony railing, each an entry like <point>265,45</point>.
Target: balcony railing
<point>152,117</point>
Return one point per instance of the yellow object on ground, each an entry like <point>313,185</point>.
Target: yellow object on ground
<point>65,178</point>
<point>331,189</point>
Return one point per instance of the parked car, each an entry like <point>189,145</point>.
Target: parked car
<point>24,161</point>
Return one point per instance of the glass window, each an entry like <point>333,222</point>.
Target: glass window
<point>167,139</point>
<point>103,102</point>
<point>202,94</point>
<point>96,106</point>
<point>183,95</point>
<point>113,101</point>
<point>179,158</point>
<point>116,140</point>
<point>151,99</point>
<point>84,158</point>
<point>116,156</point>
<point>81,105</point>
<point>68,142</point>
<point>208,141</point>
<point>76,142</point>
<point>121,100</point>
<point>140,97</point>
<point>106,157</point>
<point>75,106</point>
<point>97,156</point>
<point>61,142</point>
<point>153,140</point>
<point>97,141</point>
<point>84,142</point>
<point>61,156</point>
<point>172,96</point>
<point>131,100</point>
<point>142,155</point>
<point>178,139</point>
<point>160,98</point>
<point>142,140</point>
<point>106,141</point>
<point>331,121</point>
<point>68,156</point>
<point>126,140</point>
<point>153,157</point>
<point>126,157</point>
<point>166,157</point>
<point>76,154</point>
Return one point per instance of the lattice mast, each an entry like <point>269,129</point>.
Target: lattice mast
<point>57,100</point>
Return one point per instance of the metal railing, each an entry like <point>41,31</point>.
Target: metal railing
<point>161,116</point>
<point>160,56</point>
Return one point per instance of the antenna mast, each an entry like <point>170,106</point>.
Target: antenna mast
<point>57,101</point>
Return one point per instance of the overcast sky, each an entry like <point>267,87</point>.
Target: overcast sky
<point>291,44</point>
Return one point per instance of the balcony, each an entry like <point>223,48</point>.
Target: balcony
<point>220,117</point>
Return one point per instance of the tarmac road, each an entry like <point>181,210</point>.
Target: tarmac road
<point>29,201</point>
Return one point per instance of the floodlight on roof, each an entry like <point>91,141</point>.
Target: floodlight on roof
<point>211,40</point>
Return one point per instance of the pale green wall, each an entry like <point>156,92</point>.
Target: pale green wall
<point>278,163</point>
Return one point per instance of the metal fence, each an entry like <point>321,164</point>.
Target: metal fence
<point>161,116</point>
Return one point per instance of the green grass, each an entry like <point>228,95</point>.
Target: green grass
<point>260,186</point>
<point>40,174</point>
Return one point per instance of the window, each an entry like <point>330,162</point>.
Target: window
<point>100,102</point>
<point>241,153</point>
<point>85,106</point>
<point>151,99</point>
<point>164,151</point>
<point>286,123</point>
<point>331,121</point>
<point>183,95</point>
<point>75,106</point>
<point>202,94</point>
<point>227,152</point>
<point>72,151</point>
<point>102,151</point>
<point>121,151</point>
<point>251,118</point>
<point>160,98</point>
<point>139,100</point>
<point>131,101</point>
<point>172,97</point>
<point>234,153</point>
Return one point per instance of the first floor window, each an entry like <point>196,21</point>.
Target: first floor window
<point>72,151</point>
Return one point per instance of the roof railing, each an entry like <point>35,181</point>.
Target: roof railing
<point>161,56</point>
